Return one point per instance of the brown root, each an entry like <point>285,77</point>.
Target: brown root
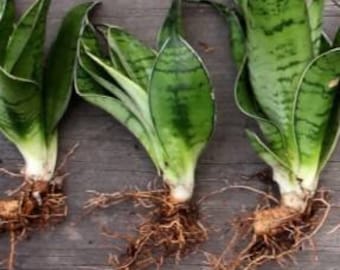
<point>272,234</point>
<point>35,206</point>
<point>168,229</point>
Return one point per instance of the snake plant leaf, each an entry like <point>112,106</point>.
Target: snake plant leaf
<point>58,77</point>
<point>314,104</point>
<point>104,94</point>
<point>237,38</point>
<point>247,103</point>
<point>282,173</point>
<point>102,32</point>
<point>20,107</point>
<point>89,44</point>
<point>7,17</point>
<point>336,42</point>
<point>26,47</point>
<point>134,91</point>
<point>325,43</point>
<point>277,58</point>
<point>136,58</point>
<point>244,95</point>
<point>100,76</point>
<point>173,25</point>
<point>182,103</point>
<point>91,91</point>
<point>315,12</point>
<point>264,151</point>
<point>333,133</point>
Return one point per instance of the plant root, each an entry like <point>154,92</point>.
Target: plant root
<point>275,234</point>
<point>35,205</point>
<point>168,230</point>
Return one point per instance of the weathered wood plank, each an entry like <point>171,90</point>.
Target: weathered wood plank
<point>109,158</point>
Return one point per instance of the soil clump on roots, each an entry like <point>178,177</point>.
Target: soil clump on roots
<point>271,233</point>
<point>33,206</point>
<point>168,229</point>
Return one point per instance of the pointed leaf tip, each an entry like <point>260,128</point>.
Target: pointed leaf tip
<point>61,64</point>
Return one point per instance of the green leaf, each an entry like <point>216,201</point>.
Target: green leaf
<point>279,48</point>
<point>7,17</point>
<point>314,105</point>
<point>88,87</point>
<point>237,39</point>
<point>173,24</point>
<point>92,92</point>
<point>98,75</point>
<point>315,12</point>
<point>336,42</point>
<point>20,107</point>
<point>247,103</point>
<point>136,58</point>
<point>24,56</point>
<point>325,43</point>
<point>134,91</point>
<point>182,104</point>
<point>282,174</point>
<point>59,72</point>
<point>264,152</point>
<point>96,85</point>
<point>333,133</point>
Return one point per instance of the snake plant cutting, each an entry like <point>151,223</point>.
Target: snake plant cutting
<point>163,97</point>
<point>288,81</point>
<point>34,96</point>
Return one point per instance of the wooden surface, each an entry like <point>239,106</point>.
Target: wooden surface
<point>109,158</point>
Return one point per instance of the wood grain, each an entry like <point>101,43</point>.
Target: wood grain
<point>109,158</point>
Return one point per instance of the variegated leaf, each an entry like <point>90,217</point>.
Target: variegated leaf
<point>24,55</point>
<point>58,79</point>
<point>7,17</point>
<point>313,109</point>
<point>182,104</point>
<point>136,58</point>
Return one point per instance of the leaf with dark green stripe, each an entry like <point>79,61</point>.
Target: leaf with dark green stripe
<point>314,105</point>
<point>325,43</point>
<point>7,17</point>
<point>136,58</point>
<point>315,12</point>
<point>333,133</point>
<point>172,26</point>
<point>182,103</point>
<point>279,48</point>
<point>264,151</point>
<point>114,58</point>
<point>25,48</point>
<point>282,173</point>
<point>60,66</point>
<point>336,42</point>
<point>99,75</point>
<point>20,107</point>
<point>93,92</point>
<point>90,44</point>
<point>247,103</point>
